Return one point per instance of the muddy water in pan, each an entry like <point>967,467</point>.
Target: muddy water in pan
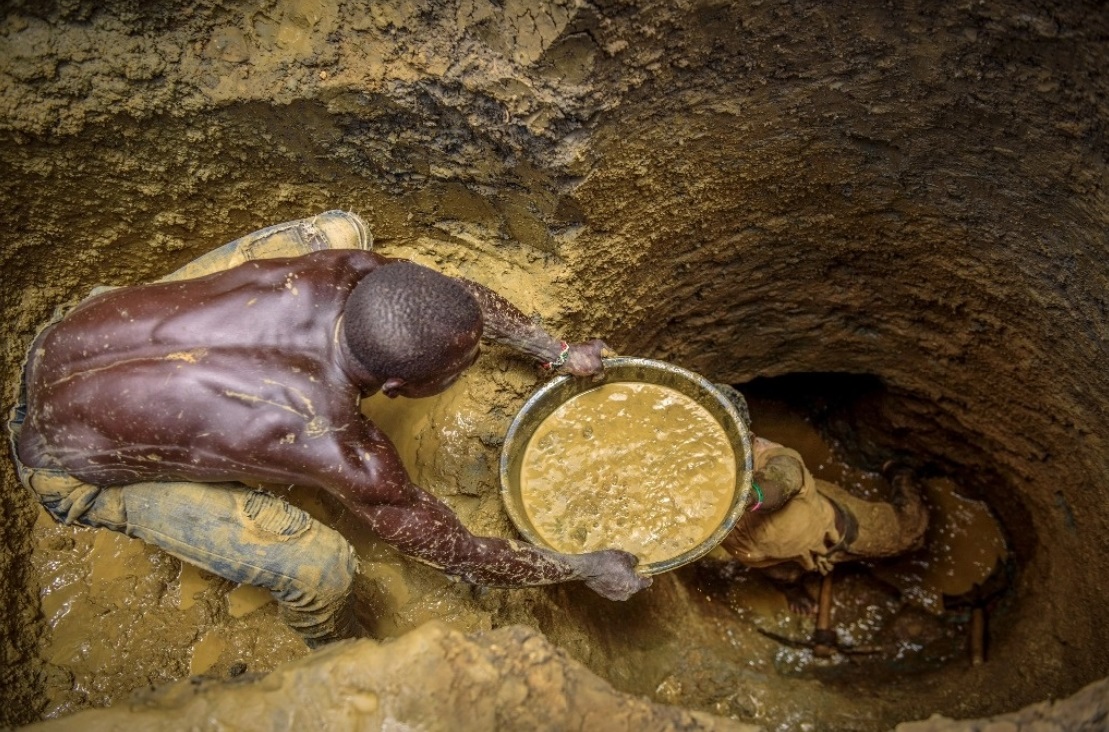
<point>634,466</point>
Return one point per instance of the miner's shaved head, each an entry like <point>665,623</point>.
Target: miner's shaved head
<point>410,322</point>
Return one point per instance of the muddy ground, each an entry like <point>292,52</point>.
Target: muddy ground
<point>746,189</point>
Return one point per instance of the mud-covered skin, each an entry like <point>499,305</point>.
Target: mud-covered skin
<point>243,376</point>
<point>779,480</point>
<point>505,324</point>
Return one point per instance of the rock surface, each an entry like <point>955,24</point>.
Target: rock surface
<point>433,678</point>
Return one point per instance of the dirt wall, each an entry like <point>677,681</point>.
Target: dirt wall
<point>747,189</point>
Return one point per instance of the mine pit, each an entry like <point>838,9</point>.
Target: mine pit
<point>885,226</point>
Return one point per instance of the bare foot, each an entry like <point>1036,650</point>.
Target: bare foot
<point>799,600</point>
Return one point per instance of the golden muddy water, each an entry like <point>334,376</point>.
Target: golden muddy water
<point>964,546</point>
<point>634,466</point>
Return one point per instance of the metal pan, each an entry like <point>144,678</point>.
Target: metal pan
<point>623,369</point>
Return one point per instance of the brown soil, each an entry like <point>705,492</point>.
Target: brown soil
<point>745,189</point>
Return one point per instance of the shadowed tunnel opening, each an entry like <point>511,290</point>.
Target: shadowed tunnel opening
<point>857,413</point>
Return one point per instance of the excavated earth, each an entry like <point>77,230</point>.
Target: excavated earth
<point>916,195</point>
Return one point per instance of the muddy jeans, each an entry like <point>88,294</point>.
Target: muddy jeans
<point>244,535</point>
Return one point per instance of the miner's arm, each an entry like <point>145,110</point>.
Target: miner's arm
<point>779,481</point>
<point>504,323</point>
<point>376,488</point>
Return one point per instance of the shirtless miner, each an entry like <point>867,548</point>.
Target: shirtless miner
<point>146,409</point>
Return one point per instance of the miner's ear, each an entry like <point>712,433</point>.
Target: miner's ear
<point>392,387</point>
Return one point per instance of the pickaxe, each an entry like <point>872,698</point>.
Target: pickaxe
<point>824,642</point>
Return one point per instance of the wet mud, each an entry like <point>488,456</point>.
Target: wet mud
<point>914,196</point>
<point>121,616</point>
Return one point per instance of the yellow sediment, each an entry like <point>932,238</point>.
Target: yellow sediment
<point>245,599</point>
<point>963,547</point>
<point>633,466</point>
<point>206,652</point>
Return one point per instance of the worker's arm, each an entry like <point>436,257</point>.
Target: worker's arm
<point>504,323</point>
<point>779,481</point>
<point>374,485</point>
<point>424,528</point>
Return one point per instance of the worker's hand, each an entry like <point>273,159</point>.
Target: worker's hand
<point>584,359</point>
<point>611,574</point>
<point>779,481</point>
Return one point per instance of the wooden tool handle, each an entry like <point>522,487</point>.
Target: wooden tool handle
<point>824,637</point>
<point>977,636</point>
